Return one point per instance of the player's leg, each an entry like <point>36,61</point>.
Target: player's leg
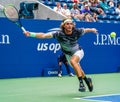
<point>78,70</point>
<point>68,68</point>
<point>59,68</point>
<point>74,62</point>
<point>88,81</point>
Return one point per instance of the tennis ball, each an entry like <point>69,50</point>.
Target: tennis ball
<point>112,34</point>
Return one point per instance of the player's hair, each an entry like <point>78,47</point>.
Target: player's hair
<point>64,21</point>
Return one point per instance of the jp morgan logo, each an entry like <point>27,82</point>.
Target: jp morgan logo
<point>105,39</point>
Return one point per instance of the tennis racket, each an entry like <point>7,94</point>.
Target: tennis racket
<point>12,14</point>
<point>1,7</point>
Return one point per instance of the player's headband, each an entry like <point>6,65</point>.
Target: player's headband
<point>67,20</point>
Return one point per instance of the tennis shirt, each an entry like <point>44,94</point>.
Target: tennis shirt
<point>69,43</point>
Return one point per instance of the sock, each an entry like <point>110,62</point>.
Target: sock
<point>86,80</point>
<point>81,81</point>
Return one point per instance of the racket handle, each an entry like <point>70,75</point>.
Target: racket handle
<point>23,29</point>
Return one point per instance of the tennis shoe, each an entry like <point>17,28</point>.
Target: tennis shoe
<point>71,74</point>
<point>82,87</point>
<point>90,85</point>
<point>59,75</point>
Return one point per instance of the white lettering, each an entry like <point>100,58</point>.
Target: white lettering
<point>52,72</point>
<point>57,47</point>
<point>42,47</point>
<point>4,39</point>
<point>45,46</point>
<point>51,47</point>
<point>111,40</point>
<point>118,41</point>
<point>104,39</point>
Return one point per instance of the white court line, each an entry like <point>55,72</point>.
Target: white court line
<point>83,98</point>
<point>92,100</point>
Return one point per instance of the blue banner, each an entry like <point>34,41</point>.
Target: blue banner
<point>23,56</point>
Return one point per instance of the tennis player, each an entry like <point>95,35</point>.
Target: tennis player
<point>68,39</point>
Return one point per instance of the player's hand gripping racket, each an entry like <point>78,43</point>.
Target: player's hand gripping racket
<point>11,13</point>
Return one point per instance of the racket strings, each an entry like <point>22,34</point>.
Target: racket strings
<point>11,13</point>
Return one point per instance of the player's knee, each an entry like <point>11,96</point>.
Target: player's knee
<point>72,62</point>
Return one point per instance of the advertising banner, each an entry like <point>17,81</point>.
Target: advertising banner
<point>22,56</point>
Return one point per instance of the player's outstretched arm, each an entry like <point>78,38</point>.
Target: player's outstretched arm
<point>38,35</point>
<point>94,30</point>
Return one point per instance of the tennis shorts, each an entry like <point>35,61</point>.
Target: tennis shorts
<point>79,53</point>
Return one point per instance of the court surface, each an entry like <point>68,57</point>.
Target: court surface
<point>65,89</point>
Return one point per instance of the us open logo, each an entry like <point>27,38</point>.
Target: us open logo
<point>51,47</point>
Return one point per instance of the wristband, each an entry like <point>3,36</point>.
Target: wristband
<point>33,35</point>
